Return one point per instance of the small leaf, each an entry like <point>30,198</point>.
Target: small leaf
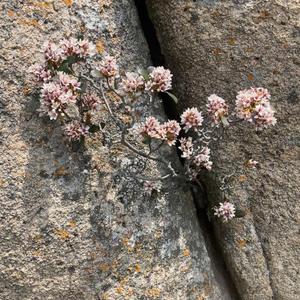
<point>225,121</point>
<point>174,98</point>
<point>144,73</point>
<point>146,140</point>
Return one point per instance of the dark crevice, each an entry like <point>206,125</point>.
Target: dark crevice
<point>156,55</point>
<point>200,197</point>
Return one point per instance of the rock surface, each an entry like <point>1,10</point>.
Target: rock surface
<point>71,226</point>
<point>222,47</point>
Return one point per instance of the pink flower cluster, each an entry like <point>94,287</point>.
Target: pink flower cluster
<point>74,47</point>
<point>40,72</point>
<point>57,95</point>
<point>217,108</point>
<point>91,101</point>
<point>75,130</point>
<point>109,67</point>
<point>186,147</point>
<point>172,130</point>
<point>203,159</point>
<point>253,105</point>
<point>226,211</point>
<point>132,83</point>
<point>55,54</point>
<point>168,131</point>
<point>160,80</point>
<point>191,118</point>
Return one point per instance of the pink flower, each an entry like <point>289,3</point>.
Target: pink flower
<point>172,129</point>
<point>217,108</point>
<point>132,83</point>
<point>109,67</point>
<point>264,116</point>
<point>50,100</point>
<point>68,82</point>
<point>226,211</point>
<point>187,147</point>
<point>74,47</point>
<point>152,128</point>
<point>75,130</point>
<point>86,48</point>
<point>55,98</point>
<point>203,159</point>
<point>91,101</point>
<point>53,53</point>
<point>253,105</point>
<point>191,118</point>
<point>150,186</point>
<point>69,47</point>
<point>40,72</point>
<point>160,80</point>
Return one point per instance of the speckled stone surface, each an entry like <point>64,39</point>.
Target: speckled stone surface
<point>222,47</point>
<point>71,227</point>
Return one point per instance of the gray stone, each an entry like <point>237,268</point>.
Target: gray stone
<point>222,47</point>
<point>72,227</point>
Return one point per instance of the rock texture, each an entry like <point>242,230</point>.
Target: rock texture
<point>72,227</point>
<point>222,47</point>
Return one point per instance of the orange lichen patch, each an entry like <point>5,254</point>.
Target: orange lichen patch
<point>29,22</point>
<point>153,293</point>
<point>3,183</point>
<point>68,2</point>
<point>250,76</point>
<point>62,234</point>
<point>100,46</point>
<point>241,243</point>
<point>125,242</point>
<point>120,290</point>
<point>138,268</point>
<point>186,252</point>
<point>264,14</point>
<point>104,267</point>
<point>37,238</point>
<point>11,13</point>
<point>231,41</point>
<point>72,224</point>
<point>216,51</point>
<point>60,171</point>
<point>249,50</point>
<point>203,296</point>
<point>26,90</point>
<point>242,178</point>
<point>43,5</point>
<point>37,253</point>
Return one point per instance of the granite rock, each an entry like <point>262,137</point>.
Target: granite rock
<point>222,47</point>
<point>72,226</point>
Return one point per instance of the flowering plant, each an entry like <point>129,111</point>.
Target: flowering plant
<point>72,91</point>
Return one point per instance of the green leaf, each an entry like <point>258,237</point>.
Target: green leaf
<point>144,73</point>
<point>174,98</point>
<point>225,121</point>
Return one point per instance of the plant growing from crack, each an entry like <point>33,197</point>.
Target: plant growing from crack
<point>72,90</point>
